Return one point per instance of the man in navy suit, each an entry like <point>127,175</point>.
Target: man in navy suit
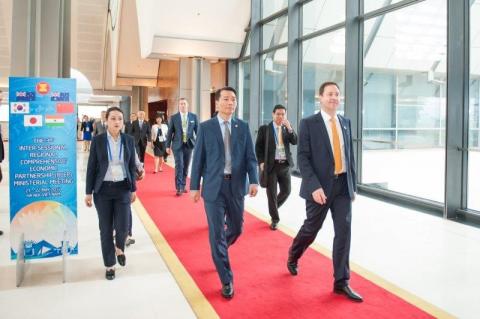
<point>182,132</point>
<point>224,156</point>
<point>141,132</point>
<point>327,165</point>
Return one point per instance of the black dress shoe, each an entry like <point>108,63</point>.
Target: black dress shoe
<point>292,267</point>
<point>227,291</point>
<point>122,260</point>
<point>129,241</point>
<point>347,291</point>
<point>1,233</point>
<point>110,274</point>
<point>274,225</point>
<point>178,193</point>
<point>185,191</point>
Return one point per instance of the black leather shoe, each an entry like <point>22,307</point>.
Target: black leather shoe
<point>274,225</point>
<point>347,291</point>
<point>292,267</point>
<point>185,191</point>
<point>110,274</point>
<point>227,291</point>
<point>178,193</point>
<point>1,233</point>
<point>129,241</point>
<point>122,260</point>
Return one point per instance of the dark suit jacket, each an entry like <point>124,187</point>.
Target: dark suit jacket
<point>98,162</point>
<point>141,135</point>
<point>2,150</point>
<point>315,156</point>
<point>209,159</point>
<point>98,127</point>
<point>288,138</point>
<point>128,128</point>
<point>175,132</point>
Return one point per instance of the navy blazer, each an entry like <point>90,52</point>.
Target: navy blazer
<point>140,134</point>
<point>175,132</point>
<point>209,159</point>
<point>98,162</point>
<point>315,156</point>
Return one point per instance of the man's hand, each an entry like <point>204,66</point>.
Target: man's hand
<point>287,125</point>
<point>195,195</point>
<point>88,200</point>
<point>319,196</point>
<point>262,165</point>
<point>133,197</point>
<point>252,190</point>
<point>142,175</point>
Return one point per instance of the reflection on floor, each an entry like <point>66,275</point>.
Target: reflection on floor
<point>432,258</point>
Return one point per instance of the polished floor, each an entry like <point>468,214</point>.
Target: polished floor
<point>421,255</point>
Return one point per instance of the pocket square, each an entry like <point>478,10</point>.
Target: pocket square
<point>192,121</point>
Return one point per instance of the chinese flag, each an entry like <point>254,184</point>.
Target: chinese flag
<point>65,108</point>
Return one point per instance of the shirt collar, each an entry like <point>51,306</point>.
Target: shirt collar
<point>220,120</point>
<point>110,137</point>
<point>326,116</point>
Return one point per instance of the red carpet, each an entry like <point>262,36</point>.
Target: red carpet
<point>263,286</point>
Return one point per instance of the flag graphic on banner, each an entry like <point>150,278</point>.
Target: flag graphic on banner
<point>54,120</point>
<point>65,108</point>
<point>20,107</point>
<point>24,96</point>
<point>60,96</point>
<point>32,120</point>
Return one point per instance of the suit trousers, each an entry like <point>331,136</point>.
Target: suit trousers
<point>226,209</point>
<point>280,174</point>
<point>182,161</point>
<point>141,148</point>
<point>113,207</point>
<point>340,205</point>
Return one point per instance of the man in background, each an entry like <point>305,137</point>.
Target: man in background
<point>141,131</point>
<point>182,132</point>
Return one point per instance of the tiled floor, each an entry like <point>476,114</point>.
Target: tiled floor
<point>435,259</point>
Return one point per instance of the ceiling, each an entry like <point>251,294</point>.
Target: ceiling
<point>127,47</point>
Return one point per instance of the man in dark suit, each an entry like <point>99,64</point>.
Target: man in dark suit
<point>129,124</point>
<point>224,156</point>
<point>141,132</point>
<point>327,166</point>
<point>182,132</point>
<point>100,126</point>
<point>279,135</point>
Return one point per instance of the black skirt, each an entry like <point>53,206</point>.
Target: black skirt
<point>159,148</point>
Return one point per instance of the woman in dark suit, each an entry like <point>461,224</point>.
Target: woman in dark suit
<point>111,179</point>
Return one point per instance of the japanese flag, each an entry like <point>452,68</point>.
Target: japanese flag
<point>32,120</point>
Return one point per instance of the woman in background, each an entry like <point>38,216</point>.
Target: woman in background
<point>86,128</point>
<point>111,179</point>
<point>159,136</point>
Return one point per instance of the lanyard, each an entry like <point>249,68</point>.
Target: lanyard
<point>275,133</point>
<point>110,157</point>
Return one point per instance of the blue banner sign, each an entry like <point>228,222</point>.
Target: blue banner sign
<point>43,168</point>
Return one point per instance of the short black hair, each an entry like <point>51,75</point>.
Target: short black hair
<point>325,84</point>
<point>279,107</point>
<point>113,108</point>
<point>225,88</point>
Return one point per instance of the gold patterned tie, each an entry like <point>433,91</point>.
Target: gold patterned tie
<point>337,152</point>
<point>184,128</point>
<point>279,136</point>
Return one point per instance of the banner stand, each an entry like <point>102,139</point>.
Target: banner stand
<point>64,256</point>
<point>21,260</point>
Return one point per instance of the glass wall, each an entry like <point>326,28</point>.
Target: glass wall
<point>244,90</point>
<point>269,7</point>
<point>275,32</point>
<point>323,60</point>
<point>473,195</point>
<point>370,5</point>
<point>274,82</point>
<point>319,14</point>
<point>404,96</point>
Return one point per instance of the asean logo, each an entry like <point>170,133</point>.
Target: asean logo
<point>43,88</point>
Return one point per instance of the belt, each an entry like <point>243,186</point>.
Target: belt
<point>337,176</point>
<point>112,183</point>
<point>227,176</point>
<point>280,161</point>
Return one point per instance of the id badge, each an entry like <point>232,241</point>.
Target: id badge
<point>87,129</point>
<point>281,152</point>
<point>117,172</point>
